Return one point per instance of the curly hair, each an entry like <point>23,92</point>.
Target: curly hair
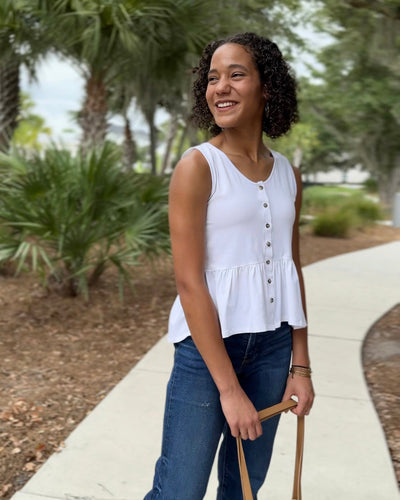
<point>281,107</point>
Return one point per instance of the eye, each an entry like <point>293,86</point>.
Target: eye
<point>212,79</point>
<point>237,75</point>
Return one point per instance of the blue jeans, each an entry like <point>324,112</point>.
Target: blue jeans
<point>194,421</point>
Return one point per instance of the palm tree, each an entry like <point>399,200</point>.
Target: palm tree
<point>119,103</point>
<point>21,42</point>
<point>105,37</point>
<point>158,75</point>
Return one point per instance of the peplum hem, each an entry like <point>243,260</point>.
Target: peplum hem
<point>248,299</point>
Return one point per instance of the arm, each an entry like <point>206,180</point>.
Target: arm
<point>297,385</point>
<point>189,191</point>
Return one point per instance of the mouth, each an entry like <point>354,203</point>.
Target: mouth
<point>221,105</point>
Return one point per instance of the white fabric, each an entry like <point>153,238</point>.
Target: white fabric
<point>243,254</point>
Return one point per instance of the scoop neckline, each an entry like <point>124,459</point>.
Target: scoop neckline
<point>241,173</point>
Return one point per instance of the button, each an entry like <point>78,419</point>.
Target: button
<point>267,226</point>
<point>271,300</point>
<point>260,187</point>
<point>268,261</point>
<point>268,243</point>
<point>270,280</point>
<point>265,205</point>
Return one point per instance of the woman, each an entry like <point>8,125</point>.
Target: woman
<point>239,317</point>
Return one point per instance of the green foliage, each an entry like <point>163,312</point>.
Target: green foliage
<point>317,198</point>
<point>299,144</point>
<point>332,223</point>
<point>361,77</point>
<point>364,211</point>
<point>30,127</point>
<point>70,218</point>
<point>371,185</point>
<point>337,210</point>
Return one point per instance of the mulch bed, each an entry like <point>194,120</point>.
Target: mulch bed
<point>61,356</point>
<point>381,361</point>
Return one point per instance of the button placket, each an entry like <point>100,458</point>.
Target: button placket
<point>268,245</point>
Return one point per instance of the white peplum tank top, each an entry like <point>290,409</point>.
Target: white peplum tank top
<point>249,269</point>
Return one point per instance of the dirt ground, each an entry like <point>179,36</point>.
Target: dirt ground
<point>61,356</point>
<point>381,360</point>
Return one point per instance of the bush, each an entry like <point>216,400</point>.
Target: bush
<point>70,218</point>
<point>366,211</point>
<point>371,185</point>
<point>336,210</point>
<point>334,223</point>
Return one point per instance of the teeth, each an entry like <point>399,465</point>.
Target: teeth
<point>225,104</point>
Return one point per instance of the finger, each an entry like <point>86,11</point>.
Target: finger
<point>300,409</point>
<point>303,410</point>
<point>235,431</point>
<point>252,434</point>
<point>255,431</point>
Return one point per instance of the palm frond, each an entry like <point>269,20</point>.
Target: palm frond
<point>80,213</point>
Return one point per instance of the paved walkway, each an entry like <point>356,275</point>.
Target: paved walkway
<point>111,454</point>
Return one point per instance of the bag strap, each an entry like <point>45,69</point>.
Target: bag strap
<point>265,414</point>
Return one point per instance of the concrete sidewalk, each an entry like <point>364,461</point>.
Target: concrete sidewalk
<point>111,454</point>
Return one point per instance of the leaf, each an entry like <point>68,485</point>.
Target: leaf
<point>5,489</point>
<point>30,467</point>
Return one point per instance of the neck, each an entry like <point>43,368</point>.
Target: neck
<point>245,143</point>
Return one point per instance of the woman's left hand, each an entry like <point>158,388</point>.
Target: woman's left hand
<point>302,388</point>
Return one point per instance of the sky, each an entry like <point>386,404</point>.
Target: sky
<point>57,91</point>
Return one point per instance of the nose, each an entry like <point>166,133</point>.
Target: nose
<point>222,86</point>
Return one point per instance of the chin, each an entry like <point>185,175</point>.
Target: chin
<point>224,124</point>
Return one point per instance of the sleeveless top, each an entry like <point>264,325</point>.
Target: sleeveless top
<point>249,270</point>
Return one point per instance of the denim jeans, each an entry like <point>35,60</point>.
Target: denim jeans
<point>194,421</point>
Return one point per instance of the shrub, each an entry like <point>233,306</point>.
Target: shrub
<point>366,211</point>
<point>371,185</point>
<point>334,223</point>
<point>69,218</point>
<point>337,210</point>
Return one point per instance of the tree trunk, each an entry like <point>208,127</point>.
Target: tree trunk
<point>9,101</point>
<point>129,146</point>
<point>172,131</point>
<point>93,117</point>
<point>181,143</point>
<point>297,157</point>
<point>153,141</point>
<point>192,134</point>
<point>382,161</point>
<point>389,185</point>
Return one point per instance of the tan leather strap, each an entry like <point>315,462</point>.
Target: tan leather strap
<point>272,411</point>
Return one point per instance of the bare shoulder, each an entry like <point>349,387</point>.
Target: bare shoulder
<point>193,163</point>
<point>192,172</point>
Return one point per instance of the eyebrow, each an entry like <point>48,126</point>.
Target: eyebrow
<point>231,66</point>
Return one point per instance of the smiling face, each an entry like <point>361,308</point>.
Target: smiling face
<point>235,94</point>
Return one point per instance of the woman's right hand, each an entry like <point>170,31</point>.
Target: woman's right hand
<point>241,415</point>
<point>190,190</point>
